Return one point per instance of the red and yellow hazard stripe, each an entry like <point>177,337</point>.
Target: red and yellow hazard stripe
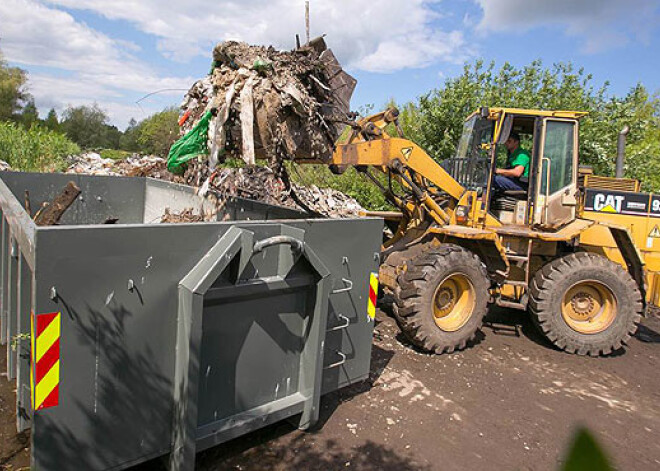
<point>45,377</point>
<point>373,295</point>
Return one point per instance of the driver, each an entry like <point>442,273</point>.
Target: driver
<point>517,167</point>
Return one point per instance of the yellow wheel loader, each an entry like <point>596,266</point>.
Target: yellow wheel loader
<point>580,252</point>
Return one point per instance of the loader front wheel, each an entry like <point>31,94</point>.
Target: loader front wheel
<point>586,304</point>
<point>441,298</point>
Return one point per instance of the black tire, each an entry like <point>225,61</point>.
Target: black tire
<point>414,297</point>
<point>552,283</point>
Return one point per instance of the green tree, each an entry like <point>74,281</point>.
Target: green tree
<point>112,137</point>
<point>158,132</point>
<point>29,114</point>
<point>88,127</point>
<point>129,138</point>
<point>436,119</point>
<point>13,90</point>
<point>51,121</point>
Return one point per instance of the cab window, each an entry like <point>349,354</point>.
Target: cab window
<point>559,147</point>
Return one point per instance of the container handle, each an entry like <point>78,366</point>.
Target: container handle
<point>349,286</point>
<point>338,363</point>
<point>344,325</point>
<point>296,245</point>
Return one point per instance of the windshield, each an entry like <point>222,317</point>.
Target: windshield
<point>471,165</point>
<point>465,144</point>
<point>477,128</point>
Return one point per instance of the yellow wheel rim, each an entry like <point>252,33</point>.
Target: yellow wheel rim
<point>453,302</point>
<point>589,307</point>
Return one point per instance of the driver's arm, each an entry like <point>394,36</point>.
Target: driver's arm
<point>515,172</point>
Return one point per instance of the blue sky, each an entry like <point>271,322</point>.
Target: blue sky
<point>114,53</point>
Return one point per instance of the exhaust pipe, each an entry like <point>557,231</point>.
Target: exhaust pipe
<point>621,151</point>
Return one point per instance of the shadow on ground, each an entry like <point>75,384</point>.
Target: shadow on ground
<point>301,452</point>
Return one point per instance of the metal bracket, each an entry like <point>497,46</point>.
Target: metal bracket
<point>338,363</point>
<point>346,323</point>
<point>349,286</point>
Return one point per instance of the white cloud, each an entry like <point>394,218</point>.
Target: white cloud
<point>86,65</point>
<point>90,66</point>
<point>379,36</point>
<point>601,24</point>
<point>60,92</point>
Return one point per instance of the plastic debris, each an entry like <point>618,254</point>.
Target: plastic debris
<point>191,145</point>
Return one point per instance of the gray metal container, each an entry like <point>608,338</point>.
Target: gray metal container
<point>176,337</point>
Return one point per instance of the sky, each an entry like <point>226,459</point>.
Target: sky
<point>116,52</point>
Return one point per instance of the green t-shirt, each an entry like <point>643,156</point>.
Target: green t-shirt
<point>519,157</point>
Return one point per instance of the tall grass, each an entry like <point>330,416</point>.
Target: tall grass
<point>34,149</point>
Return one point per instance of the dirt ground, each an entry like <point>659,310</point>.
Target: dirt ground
<point>509,402</point>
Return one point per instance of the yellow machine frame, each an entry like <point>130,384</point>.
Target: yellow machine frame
<point>438,196</point>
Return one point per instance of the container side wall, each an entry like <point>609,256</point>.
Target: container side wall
<point>101,198</point>
<point>117,344</point>
<point>162,195</point>
<point>4,238</point>
<point>22,345</point>
<point>12,306</point>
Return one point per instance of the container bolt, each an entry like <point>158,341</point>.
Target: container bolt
<point>131,285</point>
<point>53,293</point>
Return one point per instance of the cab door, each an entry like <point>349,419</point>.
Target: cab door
<point>556,185</point>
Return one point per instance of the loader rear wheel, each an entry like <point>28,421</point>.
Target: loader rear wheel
<point>586,304</point>
<point>441,298</point>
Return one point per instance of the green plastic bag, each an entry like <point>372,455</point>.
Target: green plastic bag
<point>189,146</point>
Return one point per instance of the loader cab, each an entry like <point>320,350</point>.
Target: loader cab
<point>551,137</point>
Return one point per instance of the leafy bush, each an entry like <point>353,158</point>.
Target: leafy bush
<point>157,133</point>
<point>34,149</point>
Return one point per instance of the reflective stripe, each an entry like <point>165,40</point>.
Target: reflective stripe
<point>48,337</point>
<point>47,384</point>
<point>33,341</point>
<point>373,296</point>
<point>45,356</point>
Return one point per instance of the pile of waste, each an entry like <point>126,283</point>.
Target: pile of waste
<point>256,183</point>
<point>136,165</point>
<point>255,103</point>
<point>91,163</point>
<point>261,103</point>
<point>262,184</point>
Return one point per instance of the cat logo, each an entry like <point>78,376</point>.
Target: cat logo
<point>406,151</point>
<point>608,203</point>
